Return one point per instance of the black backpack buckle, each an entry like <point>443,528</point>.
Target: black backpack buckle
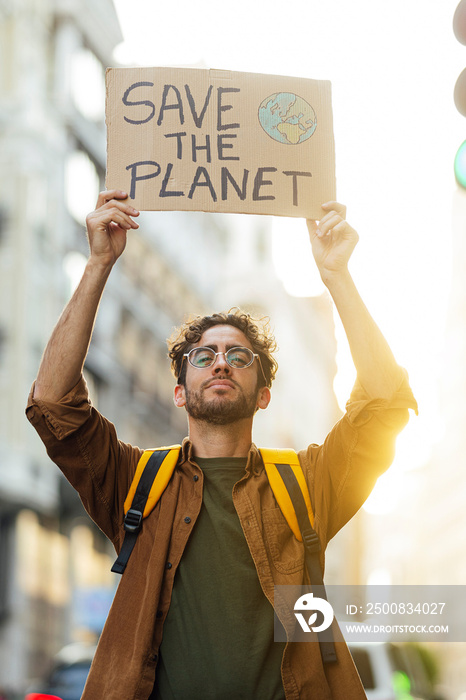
<point>311,540</point>
<point>133,520</point>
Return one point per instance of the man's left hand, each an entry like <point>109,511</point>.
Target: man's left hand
<point>332,239</point>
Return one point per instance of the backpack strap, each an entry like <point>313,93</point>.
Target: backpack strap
<point>280,466</point>
<point>289,486</point>
<point>153,472</point>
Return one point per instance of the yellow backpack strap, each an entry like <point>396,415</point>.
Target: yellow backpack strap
<point>289,486</point>
<point>153,472</point>
<point>273,459</point>
<point>160,481</point>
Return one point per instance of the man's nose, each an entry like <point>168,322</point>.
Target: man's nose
<point>220,364</point>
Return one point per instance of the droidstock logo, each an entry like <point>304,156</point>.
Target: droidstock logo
<point>308,603</point>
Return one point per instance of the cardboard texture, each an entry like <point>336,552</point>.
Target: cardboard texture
<point>220,141</point>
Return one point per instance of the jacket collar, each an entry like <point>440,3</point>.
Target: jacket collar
<point>254,464</point>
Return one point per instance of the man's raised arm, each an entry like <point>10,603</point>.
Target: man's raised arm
<point>333,241</point>
<point>64,356</point>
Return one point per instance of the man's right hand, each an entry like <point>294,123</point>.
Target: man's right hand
<point>107,227</point>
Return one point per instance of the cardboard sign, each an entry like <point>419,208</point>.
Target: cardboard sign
<point>220,141</point>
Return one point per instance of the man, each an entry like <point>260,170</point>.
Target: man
<point>192,617</point>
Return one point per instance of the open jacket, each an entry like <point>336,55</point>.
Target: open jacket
<point>340,475</point>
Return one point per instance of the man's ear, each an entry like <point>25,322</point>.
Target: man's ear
<point>179,397</point>
<point>263,397</point>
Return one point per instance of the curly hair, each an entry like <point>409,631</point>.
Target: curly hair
<point>257,331</point>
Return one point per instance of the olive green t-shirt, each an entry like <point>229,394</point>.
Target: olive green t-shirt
<point>218,635</point>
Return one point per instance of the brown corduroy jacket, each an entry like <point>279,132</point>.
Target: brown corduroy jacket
<point>340,474</point>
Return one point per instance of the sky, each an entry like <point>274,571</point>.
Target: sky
<point>393,67</point>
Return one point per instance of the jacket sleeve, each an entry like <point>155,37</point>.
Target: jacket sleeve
<point>85,446</point>
<point>342,472</point>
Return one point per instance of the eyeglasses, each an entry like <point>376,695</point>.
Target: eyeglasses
<point>238,358</point>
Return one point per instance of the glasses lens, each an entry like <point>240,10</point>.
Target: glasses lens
<point>239,357</point>
<point>201,357</point>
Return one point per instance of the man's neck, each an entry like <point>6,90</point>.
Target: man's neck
<point>233,440</point>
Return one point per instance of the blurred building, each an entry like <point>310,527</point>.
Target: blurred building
<point>55,580</point>
<point>44,135</point>
<point>421,540</point>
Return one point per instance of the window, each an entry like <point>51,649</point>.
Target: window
<point>81,185</point>
<point>88,85</point>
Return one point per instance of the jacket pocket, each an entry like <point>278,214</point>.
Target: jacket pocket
<point>286,552</point>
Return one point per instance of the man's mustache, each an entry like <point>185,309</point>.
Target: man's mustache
<point>208,382</point>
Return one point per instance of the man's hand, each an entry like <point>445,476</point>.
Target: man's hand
<point>108,225</point>
<point>332,239</point>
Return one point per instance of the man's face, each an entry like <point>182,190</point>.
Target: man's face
<point>221,394</point>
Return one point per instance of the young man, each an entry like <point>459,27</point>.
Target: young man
<point>193,617</point>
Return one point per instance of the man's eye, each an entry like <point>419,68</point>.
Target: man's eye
<point>203,359</point>
<point>238,358</point>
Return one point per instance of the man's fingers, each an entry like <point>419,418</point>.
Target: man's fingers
<point>337,207</point>
<point>122,206</point>
<point>118,216</point>
<point>331,225</point>
<point>111,208</point>
<point>108,195</point>
<point>329,222</point>
<point>114,212</point>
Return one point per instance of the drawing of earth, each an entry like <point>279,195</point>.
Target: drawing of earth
<point>287,118</point>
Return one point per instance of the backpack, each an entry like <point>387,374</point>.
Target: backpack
<point>286,478</point>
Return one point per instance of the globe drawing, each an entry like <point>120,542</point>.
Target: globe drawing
<point>287,118</point>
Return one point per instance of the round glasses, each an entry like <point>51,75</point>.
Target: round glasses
<point>238,358</point>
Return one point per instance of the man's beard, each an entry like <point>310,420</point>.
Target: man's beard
<point>220,410</point>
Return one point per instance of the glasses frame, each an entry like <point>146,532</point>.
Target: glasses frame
<point>255,356</point>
